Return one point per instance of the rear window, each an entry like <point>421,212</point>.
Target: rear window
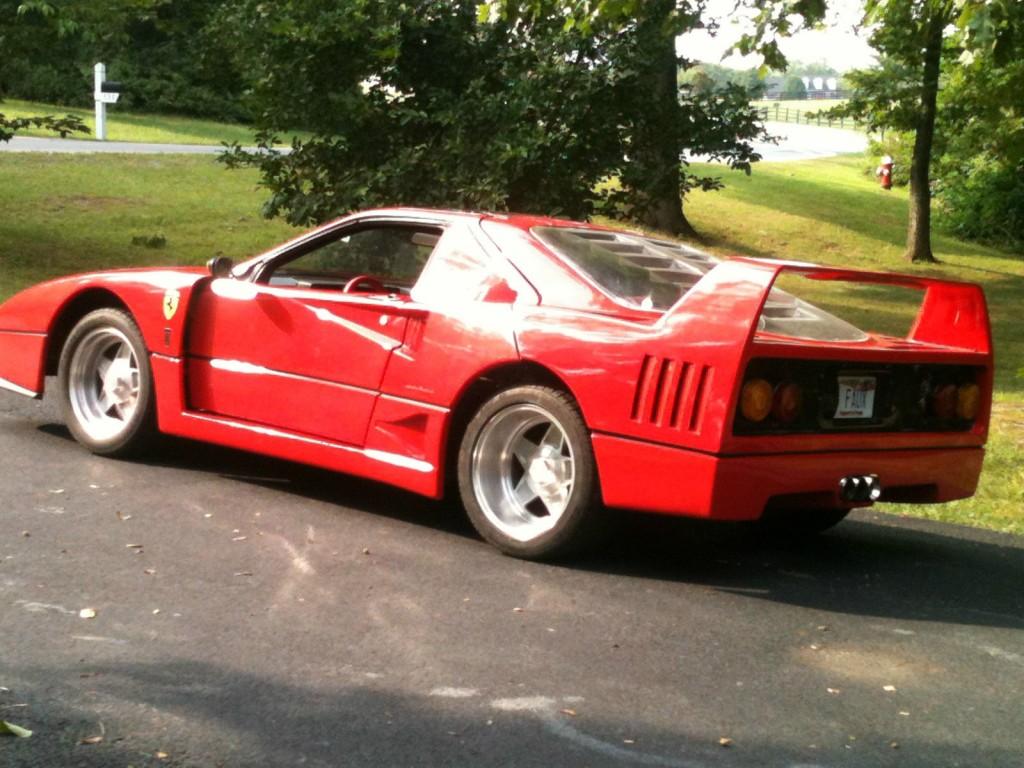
<point>649,273</point>
<point>642,272</point>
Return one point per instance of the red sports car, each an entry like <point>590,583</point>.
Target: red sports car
<point>546,368</point>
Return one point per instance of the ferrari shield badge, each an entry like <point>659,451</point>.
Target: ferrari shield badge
<point>171,299</point>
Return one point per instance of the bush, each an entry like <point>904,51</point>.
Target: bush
<point>983,199</point>
<point>62,84</point>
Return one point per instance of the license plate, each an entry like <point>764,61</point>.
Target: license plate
<point>856,397</point>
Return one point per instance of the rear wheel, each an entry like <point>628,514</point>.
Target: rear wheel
<point>527,475</point>
<point>106,384</point>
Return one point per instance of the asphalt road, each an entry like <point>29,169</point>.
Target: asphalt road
<point>792,142</point>
<point>251,612</point>
<point>77,146</point>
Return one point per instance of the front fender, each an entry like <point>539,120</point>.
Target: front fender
<point>35,322</point>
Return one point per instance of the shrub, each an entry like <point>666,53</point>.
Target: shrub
<point>981,199</point>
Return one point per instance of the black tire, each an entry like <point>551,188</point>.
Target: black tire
<point>580,521</point>
<point>137,428</point>
<point>800,522</point>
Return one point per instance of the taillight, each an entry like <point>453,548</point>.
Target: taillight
<point>756,400</point>
<point>787,402</point>
<point>968,401</point>
<point>942,402</point>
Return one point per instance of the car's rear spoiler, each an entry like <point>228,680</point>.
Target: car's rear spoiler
<point>952,314</point>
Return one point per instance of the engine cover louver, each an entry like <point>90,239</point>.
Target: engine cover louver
<point>670,393</point>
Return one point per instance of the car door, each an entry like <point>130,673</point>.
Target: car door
<point>303,344</point>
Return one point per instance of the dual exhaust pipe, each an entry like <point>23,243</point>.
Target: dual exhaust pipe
<point>860,488</point>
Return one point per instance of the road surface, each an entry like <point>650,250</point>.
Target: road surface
<point>76,146</point>
<point>251,612</point>
<point>795,142</point>
<point>805,142</point>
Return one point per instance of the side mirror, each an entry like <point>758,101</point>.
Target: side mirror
<point>220,266</point>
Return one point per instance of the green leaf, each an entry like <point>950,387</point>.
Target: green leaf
<point>10,729</point>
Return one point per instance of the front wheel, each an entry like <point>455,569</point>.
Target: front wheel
<point>106,384</point>
<point>527,475</point>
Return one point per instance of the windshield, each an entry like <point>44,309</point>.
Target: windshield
<point>648,273</point>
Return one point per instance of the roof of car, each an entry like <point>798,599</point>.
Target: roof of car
<point>518,220</point>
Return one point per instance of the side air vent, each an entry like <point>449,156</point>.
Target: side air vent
<point>670,393</point>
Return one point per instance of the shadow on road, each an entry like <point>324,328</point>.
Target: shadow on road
<point>871,565</point>
<point>203,714</point>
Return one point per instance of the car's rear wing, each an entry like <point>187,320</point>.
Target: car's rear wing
<point>952,314</point>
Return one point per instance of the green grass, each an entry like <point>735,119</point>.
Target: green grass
<point>65,214</point>
<point>132,126</point>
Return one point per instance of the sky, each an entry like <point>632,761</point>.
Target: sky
<point>837,43</point>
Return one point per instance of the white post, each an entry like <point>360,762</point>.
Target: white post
<point>99,75</point>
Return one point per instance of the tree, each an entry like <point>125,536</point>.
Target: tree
<point>901,94</point>
<point>158,48</point>
<point>979,172</point>
<point>658,184</point>
<point>914,39</point>
<point>708,77</point>
<point>20,33</point>
<point>443,107</point>
<point>793,88</point>
<point>424,108</point>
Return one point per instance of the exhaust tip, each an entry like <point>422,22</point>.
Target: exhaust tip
<point>860,488</point>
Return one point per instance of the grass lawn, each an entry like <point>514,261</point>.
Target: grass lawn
<point>66,214</point>
<point>131,126</point>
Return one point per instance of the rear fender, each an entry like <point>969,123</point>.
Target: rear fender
<point>667,381</point>
<point>676,380</point>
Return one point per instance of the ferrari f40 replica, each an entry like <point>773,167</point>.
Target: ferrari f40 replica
<point>544,368</point>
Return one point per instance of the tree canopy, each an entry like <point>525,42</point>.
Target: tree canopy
<point>505,109</point>
<point>157,48</point>
<point>947,63</point>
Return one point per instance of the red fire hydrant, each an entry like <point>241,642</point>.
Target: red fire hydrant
<point>884,172</point>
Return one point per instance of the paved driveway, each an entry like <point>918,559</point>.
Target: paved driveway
<point>251,612</point>
<point>805,142</point>
<point>74,146</point>
<point>796,142</point>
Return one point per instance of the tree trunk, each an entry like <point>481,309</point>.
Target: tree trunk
<point>658,149</point>
<point>919,241</point>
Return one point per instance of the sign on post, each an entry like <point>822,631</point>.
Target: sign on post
<point>104,92</point>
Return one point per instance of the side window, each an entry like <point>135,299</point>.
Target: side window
<point>393,255</point>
